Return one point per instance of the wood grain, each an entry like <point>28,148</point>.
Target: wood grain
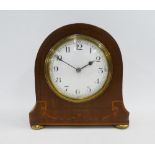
<point>106,109</point>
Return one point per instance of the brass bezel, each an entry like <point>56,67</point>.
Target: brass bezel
<point>97,43</point>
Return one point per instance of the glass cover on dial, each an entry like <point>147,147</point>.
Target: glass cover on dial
<point>78,67</point>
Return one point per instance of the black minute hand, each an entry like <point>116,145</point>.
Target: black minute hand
<point>60,59</point>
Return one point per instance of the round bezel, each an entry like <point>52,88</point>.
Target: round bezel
<point>99,45</point>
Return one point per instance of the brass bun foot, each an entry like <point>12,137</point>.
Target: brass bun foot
<point>121,126</point>
<point>37,127</point>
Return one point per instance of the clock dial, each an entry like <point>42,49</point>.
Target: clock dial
<point>78,67</point>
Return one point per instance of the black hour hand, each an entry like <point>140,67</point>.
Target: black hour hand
<point>89,64</point>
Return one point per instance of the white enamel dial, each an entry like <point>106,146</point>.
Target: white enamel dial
<point>78,68</point>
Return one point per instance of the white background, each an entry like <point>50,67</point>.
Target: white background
<point>21,34</point>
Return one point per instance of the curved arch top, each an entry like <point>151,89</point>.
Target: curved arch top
<point>106,109</point>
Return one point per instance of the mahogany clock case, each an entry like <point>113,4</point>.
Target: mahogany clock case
<point>106,109</point>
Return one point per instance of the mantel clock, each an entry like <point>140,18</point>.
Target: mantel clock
<point>78,79</point>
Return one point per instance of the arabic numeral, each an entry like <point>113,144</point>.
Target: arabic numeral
<point>77,91</point>
<point>66,88</point>
<point>89,89</point>
<point>98,81</point>
<point>58,79</point>
<point>58,57</point>
<point>67,49</point>
<point>55,68</point>
<point>90,50</point>
<point>101,70</point>
<point>79,45</point>
<point>98,59</point>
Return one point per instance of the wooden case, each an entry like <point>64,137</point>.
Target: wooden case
<point>107,109</point>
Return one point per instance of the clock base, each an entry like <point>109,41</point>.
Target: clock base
<point>41,116</point>
<point>122,126</point>
<point>37,127</point>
